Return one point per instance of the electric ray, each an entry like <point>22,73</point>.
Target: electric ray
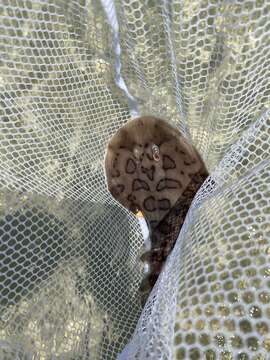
<point>152,168</point>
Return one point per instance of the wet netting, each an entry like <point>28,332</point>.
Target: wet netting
<point>71,74</point>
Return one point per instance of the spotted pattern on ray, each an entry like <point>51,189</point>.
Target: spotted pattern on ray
<point>150,167</point>
<point>139,184</point>
<point>149,172</point>
<point>130,166</point>
<point>168,163</point>
<point>167,183</point>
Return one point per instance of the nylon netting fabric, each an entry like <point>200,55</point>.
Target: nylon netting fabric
<point>71,73</point>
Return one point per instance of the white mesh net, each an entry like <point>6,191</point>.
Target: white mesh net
<point>69,253</point>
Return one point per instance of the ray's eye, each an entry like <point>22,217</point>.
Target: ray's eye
<point>155,152</point>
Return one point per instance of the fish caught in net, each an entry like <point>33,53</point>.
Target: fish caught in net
<point>152,169</point>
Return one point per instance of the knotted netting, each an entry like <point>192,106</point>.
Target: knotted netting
<point>72,73</point>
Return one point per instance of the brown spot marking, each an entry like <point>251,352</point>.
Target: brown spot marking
<point>114,163</point>
<point>187,163</point>
<point>149,172</point>
<point>149,204</point>
<point>131,197</point>
<point>167,183</point>
<point>168,162</point>
<point>182,172</point>
<point>115,173</point>
<point>164,204</point>
<point>117,190</point>
<point>140,185</point>
<point>130,166</point>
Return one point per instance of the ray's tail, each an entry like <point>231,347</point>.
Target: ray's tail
<point>164,235</point>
